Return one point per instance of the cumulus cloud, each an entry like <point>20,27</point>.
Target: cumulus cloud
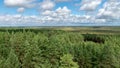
<point>63,10</point>
<point>62,15</point>
<point>90,5</point>
<point>47,12</point>
<point>47,5</point>
<point>20,10</point>
<point>59,13</point>
<point>49,15</point>
<point>110,11</point>
<point>19,3</point>
<point>62,0</point>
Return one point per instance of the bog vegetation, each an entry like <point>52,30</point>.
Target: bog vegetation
<point>58,49</point>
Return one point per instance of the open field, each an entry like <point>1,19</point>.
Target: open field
<point>60,47</point>
<point>81,29</point>
<point>93,30</point>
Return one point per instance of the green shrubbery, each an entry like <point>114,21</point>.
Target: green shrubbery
<point>58,49</point>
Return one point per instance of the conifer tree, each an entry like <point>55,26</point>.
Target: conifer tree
<point>12,60</point>
<point>67,62</point>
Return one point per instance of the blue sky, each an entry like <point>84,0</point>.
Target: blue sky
<point>59,12</point>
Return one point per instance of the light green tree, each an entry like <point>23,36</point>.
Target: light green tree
<point>12,61</point>
<point>67,62</point>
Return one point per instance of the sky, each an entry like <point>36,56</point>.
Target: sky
<point>59,12</point>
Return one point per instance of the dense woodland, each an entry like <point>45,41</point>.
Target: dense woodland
<point>58,49</point>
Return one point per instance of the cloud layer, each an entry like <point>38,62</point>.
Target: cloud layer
<point>108,13</point>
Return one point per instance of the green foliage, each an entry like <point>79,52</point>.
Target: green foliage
<point>33,48</point>
<point>67,62</point>
<point>12,61</point>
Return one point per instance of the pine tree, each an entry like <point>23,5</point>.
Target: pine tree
<point>67,62</point>
<point>12,61</point>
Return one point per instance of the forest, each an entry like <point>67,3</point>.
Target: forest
<point>32,48</point>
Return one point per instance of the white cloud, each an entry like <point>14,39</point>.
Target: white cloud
<point>62,0</point>
<point>60,12</point>
<point>20,10</point>
<point>60,16</point>
<point>47,12</point>
<point>110,11</point>
<point>63,10</point>
<point>89,5</point>
<point>47,5</point>
<point>19,20</point>
<point>19,3</point>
